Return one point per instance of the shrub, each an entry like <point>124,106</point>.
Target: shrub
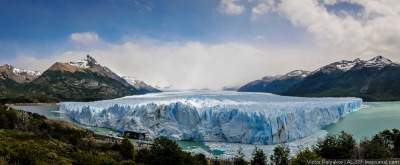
<point>165,151</point>
<point>258,157</point>
<point>280,155</point>
<point>143,156</point>
<point>127,149</point>
<point>239,158</point>
<point>92,158</point>
<point>390,140</point>
<point>337,147</point>
<point>8,118</point>
<point>199,159</point>
<point>303,156</point>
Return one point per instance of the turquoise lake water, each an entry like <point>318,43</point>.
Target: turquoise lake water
<point>373,118</point>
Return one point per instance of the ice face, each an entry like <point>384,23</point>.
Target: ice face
<point>252,118</point>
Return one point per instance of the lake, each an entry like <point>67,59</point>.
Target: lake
<point>371,119</point>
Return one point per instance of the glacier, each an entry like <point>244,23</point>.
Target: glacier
<point>214,116</point>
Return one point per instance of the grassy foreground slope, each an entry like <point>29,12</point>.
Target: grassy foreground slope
<point>28,138</point>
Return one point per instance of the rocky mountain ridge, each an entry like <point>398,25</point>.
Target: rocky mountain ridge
<point>376,79</point>
<point>81,80</point>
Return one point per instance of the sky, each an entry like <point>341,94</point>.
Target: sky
<point>196,44</point>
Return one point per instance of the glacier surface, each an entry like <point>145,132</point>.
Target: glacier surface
<point>223,116</point>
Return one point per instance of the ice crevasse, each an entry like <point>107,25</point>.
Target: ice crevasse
<point>252,118</point>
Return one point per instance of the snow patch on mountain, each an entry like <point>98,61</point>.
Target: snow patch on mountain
<point>379,62</point>
<point>132,80</point>
<point>140,85</point>
<point>295,73</point>
<point>19,75</point>
<point>84,63</point>
<point>345,65</point>
<point>26,72</point>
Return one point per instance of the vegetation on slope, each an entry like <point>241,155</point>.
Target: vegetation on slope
<point>384,145</point>
<point>368,83</point>
<point>55,86</point>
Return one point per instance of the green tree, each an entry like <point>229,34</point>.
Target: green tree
<point>396,142</point>
<point>346,146</point>
<point>200,159</point>
<point>239,158</point>
<point>165,151</point>
<point>258,157</point>
<point>304,156</point>
<point>372,149</point>
<point>143,156</point>
<point>281,155</point>
<point>127,149</point>
<point>390,139</point>
<point>8,118</point>
<point>337,147</point>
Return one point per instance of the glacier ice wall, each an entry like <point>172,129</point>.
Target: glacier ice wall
<point>252,118</point>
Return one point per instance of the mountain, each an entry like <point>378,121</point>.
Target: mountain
<point>13,82</point>
<point>376,79</point>
<point>141,86</point>
<point>80,81</point>
<point>18,75</point>
<point>275,84</point>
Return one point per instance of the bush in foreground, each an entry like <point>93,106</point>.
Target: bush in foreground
<point>259,157</point>
<point>342,146</point>
<point>303,156</point>
<point>239,158</point>
<point>280,155</point>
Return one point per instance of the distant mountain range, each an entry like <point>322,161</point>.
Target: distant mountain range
<point>140,85</point>
<point>377,79</point>
<point>82,80</point>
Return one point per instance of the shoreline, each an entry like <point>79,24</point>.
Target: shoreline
<point>32,104</point>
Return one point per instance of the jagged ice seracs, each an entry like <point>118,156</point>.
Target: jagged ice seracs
<point>220,116</point>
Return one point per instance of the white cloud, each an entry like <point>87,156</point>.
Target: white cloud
<point>189,65</point>
<point>231,7</point>
<point>332,37</point>
<point>376,29</point>
<point>85,37</point>
<point>264,7</point>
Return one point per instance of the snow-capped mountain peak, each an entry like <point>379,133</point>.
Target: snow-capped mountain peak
<point>11,69</point>
<point>84,63</point>
<point>18,75</point>
<point>379,62</point>
<point>345,65</point>
<point>381,59</point>
<point>139,84</point>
